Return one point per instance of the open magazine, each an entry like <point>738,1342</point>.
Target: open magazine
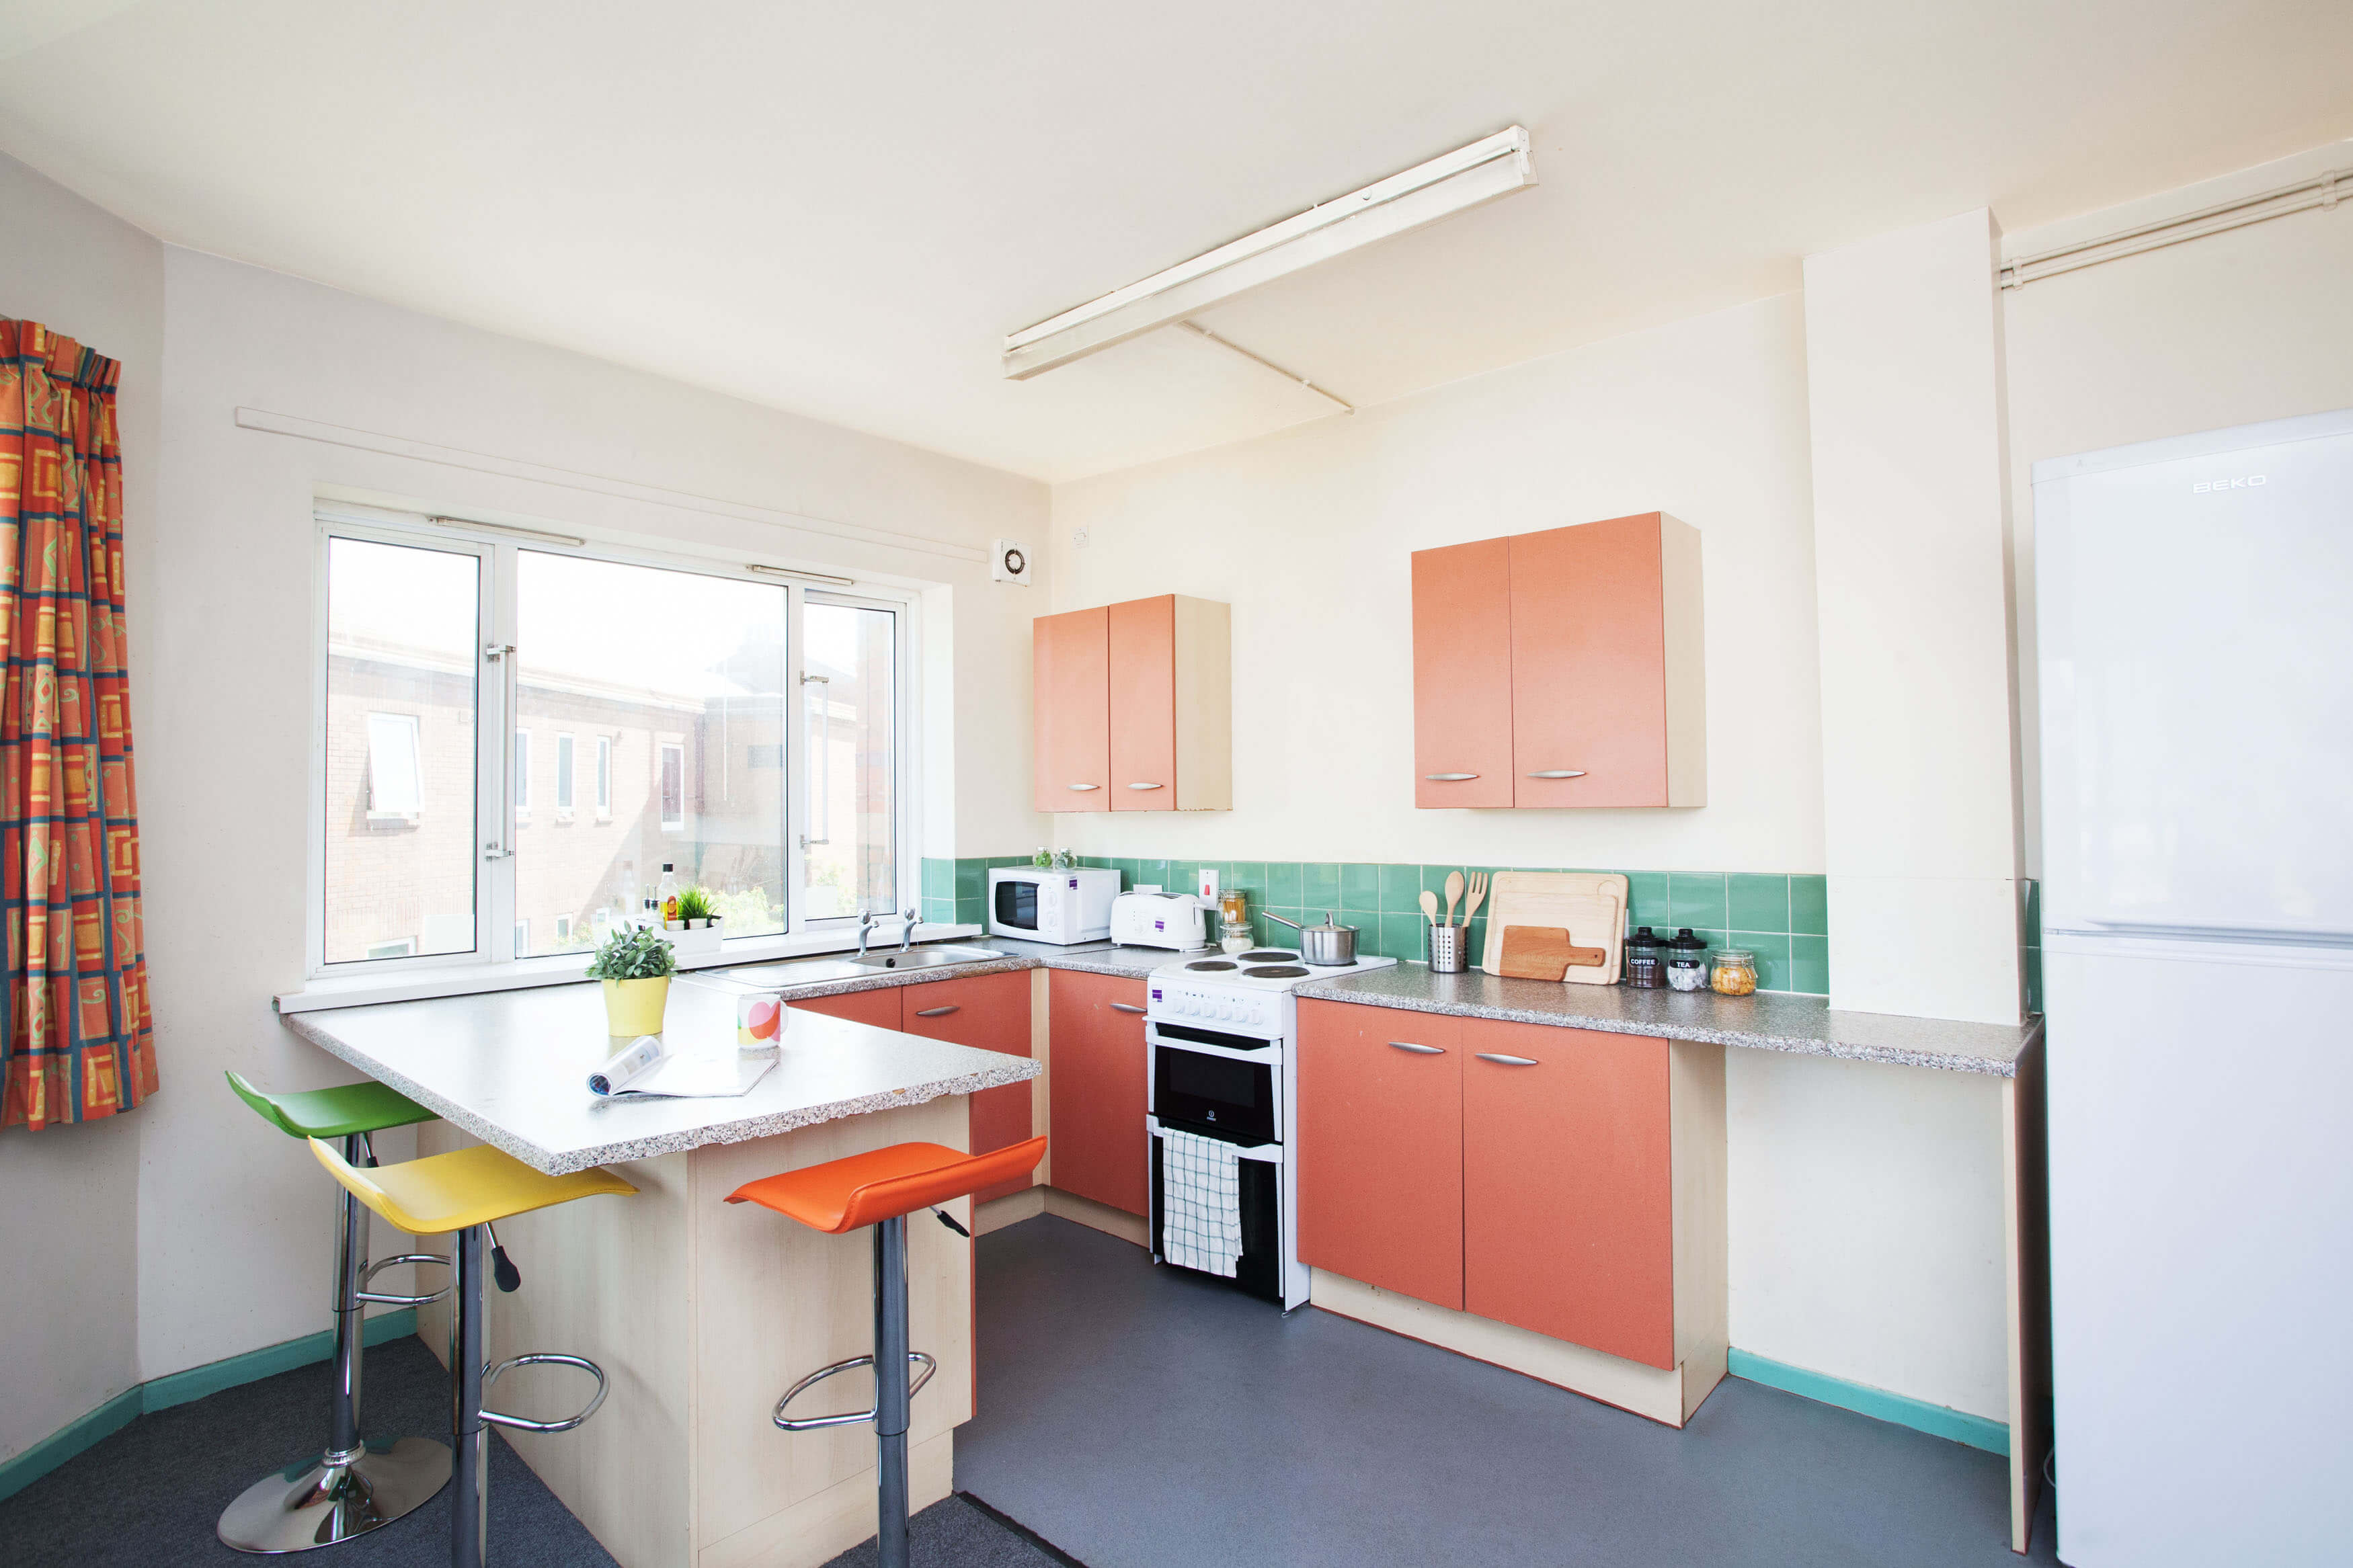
<point>649,1069</point>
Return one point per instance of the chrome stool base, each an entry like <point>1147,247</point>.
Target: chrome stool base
<point>317,1504</point>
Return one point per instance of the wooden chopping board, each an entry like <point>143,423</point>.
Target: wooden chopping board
<point>1593,916</point>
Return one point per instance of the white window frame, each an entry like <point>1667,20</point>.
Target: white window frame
<point>494,963</point>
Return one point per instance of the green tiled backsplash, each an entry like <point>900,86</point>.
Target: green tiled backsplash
<point>1783,920</point>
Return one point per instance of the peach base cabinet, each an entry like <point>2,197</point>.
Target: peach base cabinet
<point>1561,669</point>
<point>1548,1199</point>
<point>1133,707</point>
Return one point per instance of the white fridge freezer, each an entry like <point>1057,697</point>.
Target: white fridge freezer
<point>2195,618</point>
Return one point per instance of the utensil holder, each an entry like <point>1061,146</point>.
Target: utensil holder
<point>1447,946</point>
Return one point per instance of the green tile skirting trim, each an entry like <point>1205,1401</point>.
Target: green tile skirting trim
<point>1936,1420</point>
<point>178,1388</point>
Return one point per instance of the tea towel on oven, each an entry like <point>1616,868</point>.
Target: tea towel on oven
<point>1200,1203</point>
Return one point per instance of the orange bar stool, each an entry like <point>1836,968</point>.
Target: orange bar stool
<point>464,1192</point>
<point>881,1188</point>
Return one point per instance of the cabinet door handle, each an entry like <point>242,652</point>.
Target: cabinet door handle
<point>1507,1061</point>
<point>937,1012</point>
<point>1449,778</point>
<point>1421,1050</point>
<point>1125,1007</point>
<point>1559,774</point>
<point>1082,786</point>
<point>1143,786</point>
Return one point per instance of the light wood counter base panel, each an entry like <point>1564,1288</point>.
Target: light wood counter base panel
<point>819,1529</point>
<point>1668,1396</point>
<point>1012,1210</point>
<point>702,1313</point>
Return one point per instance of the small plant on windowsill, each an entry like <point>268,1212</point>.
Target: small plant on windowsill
<point>694,908</point>
<point>636,965</point>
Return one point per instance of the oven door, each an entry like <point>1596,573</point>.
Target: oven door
<point>1207,1082</point>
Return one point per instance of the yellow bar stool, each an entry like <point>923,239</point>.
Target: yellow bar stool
<point>465,1193</point>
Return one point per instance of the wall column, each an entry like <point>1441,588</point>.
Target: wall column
<point>1919,781</point>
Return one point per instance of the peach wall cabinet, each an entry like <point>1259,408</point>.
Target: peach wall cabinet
<point>1561,669</point>
<point>1133,707</point>
<point>1548,1199</point>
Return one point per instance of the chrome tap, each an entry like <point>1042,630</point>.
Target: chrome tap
<point>907,929</point>
<point>865,929</point>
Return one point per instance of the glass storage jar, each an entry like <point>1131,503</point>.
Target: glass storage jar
<point>1236,936</point>
<point>1687,962</point>
<point>1646,960</point>
<point>1735,974</point>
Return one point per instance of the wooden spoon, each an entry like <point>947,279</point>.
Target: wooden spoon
<point>1453,894</point>
<point>1429,906</point>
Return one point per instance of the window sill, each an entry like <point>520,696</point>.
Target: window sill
<point>328,991</point>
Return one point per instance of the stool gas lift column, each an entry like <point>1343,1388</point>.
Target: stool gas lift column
<point>463,1194</point>
<point>354,1486</point>
<point>882,1187</point>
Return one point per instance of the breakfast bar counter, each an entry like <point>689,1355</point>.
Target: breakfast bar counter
<point>701,1313</point>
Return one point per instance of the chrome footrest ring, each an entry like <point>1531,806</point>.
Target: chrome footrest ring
<point>364,1294</point>
<point>849,1418</point>
<point>544,1358</point>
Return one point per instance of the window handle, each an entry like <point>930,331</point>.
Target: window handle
<point>503,847</point>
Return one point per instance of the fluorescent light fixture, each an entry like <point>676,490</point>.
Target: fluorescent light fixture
<point>476,526</point>
<point>1493,166</point>
<point>800,577</point>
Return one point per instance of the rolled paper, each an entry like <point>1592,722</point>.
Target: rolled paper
<point>644,1055</point>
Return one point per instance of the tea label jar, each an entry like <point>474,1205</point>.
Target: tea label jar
<point>1735,974</point>
<point>1687,962</point>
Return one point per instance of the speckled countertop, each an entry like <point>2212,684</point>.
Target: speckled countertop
<point>1769,1021</point>
<point>512,1068</point>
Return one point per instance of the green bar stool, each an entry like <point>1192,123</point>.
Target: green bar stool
<point>352,1485</point>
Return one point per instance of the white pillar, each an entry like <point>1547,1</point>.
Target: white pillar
<point>1902,346</point>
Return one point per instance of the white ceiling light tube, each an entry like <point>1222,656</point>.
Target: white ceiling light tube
<point>1491,167</point>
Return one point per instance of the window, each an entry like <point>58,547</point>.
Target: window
<point>402,635</point>
<point>395,782</point>
<point>673,789</point>
<point>676,687</point>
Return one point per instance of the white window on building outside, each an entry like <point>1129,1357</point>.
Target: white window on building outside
<point>673,789</point>
<point>519,769</point>
<point>604,777</point>
<point>395,782</point>
<point>564,776</point>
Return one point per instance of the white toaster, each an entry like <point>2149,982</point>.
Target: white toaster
<point>1179,921</point>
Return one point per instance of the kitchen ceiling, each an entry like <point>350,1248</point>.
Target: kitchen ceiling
<point>841,210</point>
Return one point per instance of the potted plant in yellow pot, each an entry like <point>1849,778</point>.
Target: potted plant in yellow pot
<point>636,965</point>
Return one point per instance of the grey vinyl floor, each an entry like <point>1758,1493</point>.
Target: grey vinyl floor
<point>1138,1417</point>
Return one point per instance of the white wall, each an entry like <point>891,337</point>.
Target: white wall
<point>234,1218</point>
<point>68,1224</point>
<point>1308,533</point>
<point>2254,323</point>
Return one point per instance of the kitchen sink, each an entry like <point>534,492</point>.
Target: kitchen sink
<point>925,958</point>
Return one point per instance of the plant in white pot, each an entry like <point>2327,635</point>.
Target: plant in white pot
<point>696,908</point>
<point>636,965</point>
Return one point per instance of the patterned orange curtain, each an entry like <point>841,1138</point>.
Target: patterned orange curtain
<point>76,1042</point>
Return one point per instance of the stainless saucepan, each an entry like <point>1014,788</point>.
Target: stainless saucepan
<point>1328,945</point>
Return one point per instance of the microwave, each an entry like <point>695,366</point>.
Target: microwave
<point>1036,905</point>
